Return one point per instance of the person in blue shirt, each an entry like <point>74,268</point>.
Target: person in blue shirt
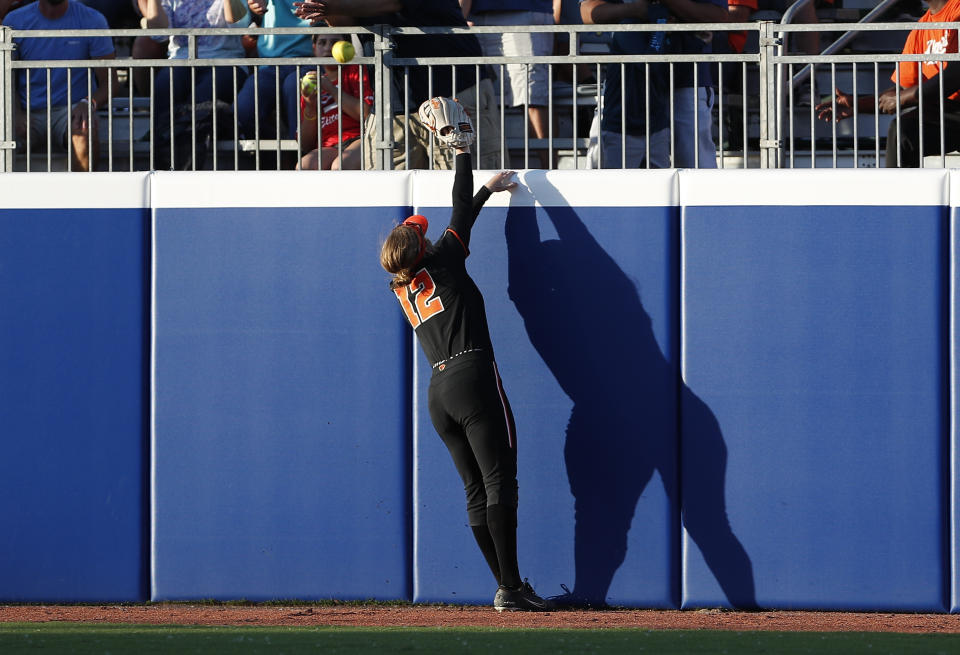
<point>72,99</point>
<point>255,105</point>
<point>199,85</point>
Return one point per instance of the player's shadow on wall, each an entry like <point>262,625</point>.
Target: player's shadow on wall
<point>585,318</point>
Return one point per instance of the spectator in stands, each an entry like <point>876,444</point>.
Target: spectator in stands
<point>258,98</point>
<point>476,95</point>
<point>177,81</point>
<point>335,117</point>
<point>904,139</point>
<point>523,84</point>
<point>693,144</point>
<point>609,142</point>
<point>740,11</point>
<point>85,89</point>
<point>691,147</point>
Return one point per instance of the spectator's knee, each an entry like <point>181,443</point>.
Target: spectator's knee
<point>308,162</point>
<point>146,48</point>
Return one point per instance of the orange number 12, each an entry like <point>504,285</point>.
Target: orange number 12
<point>423,290</point>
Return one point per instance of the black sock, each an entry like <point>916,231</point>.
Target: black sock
<point>482,534</point>
<point>502,523</point>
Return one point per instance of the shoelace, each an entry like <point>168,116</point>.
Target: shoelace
<point>566,592</point>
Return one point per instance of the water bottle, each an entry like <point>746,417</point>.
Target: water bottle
<point>658,14</point>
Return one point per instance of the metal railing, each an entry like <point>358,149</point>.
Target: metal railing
<point>757,120</point>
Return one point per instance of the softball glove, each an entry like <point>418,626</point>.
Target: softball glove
<point>449,122</point>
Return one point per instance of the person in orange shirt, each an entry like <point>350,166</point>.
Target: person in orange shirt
<point>906,132</point>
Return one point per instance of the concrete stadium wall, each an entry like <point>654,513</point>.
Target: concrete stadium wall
<point>732,388</point>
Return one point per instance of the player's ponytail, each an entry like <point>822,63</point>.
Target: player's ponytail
<point>400,253</point>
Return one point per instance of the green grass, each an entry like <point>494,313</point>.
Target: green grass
<point>86,638</point>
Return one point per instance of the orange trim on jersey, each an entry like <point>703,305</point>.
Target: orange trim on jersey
<point>922,42</point>
<point>466,251</point>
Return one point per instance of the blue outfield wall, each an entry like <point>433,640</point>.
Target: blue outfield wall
<point>281,403</point>
<point>581,301</point>
<point>73,394</point>
<point>725,396</point>
<point>954,390</point>
<point>814,367</point>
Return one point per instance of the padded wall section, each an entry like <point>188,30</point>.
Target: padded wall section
<point>954,272</point>
<point>813,410</point>
<point>281,398</point>
<point>73,374</point>
<point>581,302</point>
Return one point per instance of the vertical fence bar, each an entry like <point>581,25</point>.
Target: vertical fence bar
<point>790,112</point>
<point>236,123</point>
<point>256,117</point>
<point>696,118</point>
<point>277,111</point>
<point>919,112</point>
<point>720,96</point>
<point>383,112</point>
<point>340,114</point>
<point>768,100</point>
<point>673,123</point>
<point>942,98</point>
<point>876,115</point>
<point>93,116</point>
<point>6,110</point>
<point>29,96</point>
<point>856,117</point>
<point>213,99</point>
<point>50,122</point>
<point>130,116</point>
<point>550,115</point>
<point>833,123</point>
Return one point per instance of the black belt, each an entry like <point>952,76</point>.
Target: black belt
<point>452,357</point>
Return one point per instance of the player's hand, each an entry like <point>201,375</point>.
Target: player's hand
<point>501,182</point>
<point>258,7</point>
<point>844,107</point>
<point>310,10</point>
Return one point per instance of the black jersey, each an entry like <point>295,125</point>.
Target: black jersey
<point>442,302</point>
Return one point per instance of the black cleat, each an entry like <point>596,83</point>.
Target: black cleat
<point>522,599</point>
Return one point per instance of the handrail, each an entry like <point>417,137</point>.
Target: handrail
<point>787,18</point>
<point>847,37</point>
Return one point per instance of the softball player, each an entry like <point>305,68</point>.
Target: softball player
<point>466,400</point>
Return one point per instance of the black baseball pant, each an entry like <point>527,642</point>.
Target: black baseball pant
<point>471,414</point>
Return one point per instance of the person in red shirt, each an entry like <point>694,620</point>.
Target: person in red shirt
<point>336,100</point>
<point>909,87</point>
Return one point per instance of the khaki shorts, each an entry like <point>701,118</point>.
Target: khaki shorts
<point>523,83</point>
<point>60,119</point>
<point>427,153</point>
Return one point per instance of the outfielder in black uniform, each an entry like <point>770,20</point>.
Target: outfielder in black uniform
<point>468,406</point>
